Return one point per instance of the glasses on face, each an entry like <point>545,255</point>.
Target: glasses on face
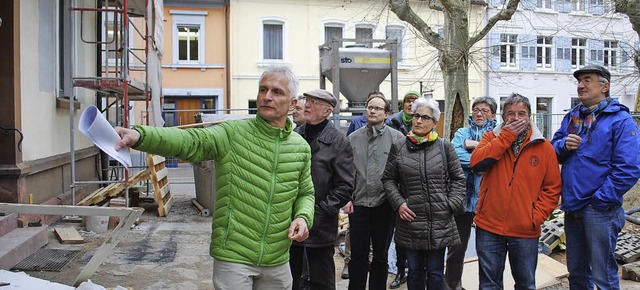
<point>424,118</point>
<point>316,102</point>
<point>375,108</point>
<point>483,111</point>
<point>587,81</point>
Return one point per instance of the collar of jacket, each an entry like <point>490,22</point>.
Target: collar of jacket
<point>324,136</point>
<point>535,132</point>
<point>269,130</point>
<point>375,130</point>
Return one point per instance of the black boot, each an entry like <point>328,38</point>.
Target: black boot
<point>401,278</point>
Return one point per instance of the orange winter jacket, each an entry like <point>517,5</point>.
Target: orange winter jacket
<point>517,193</point>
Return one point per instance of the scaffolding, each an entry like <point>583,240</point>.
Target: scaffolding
<point>122,40</point>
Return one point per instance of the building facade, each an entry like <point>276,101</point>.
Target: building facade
<point>289,32</point>
<point>535,53</point>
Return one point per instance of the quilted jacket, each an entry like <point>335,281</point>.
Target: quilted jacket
<point>415,174</point>
<point>263,181</point>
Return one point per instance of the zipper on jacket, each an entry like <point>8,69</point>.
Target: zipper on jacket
<point>228,226</point>
<point>533,208</point>
<point>271,190</point>
<point>513,171</point>
<point>481,201</point>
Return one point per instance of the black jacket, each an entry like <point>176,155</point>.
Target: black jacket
<point>332,174</point>
<point>415,174</point>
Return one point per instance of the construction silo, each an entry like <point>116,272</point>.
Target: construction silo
<point>355,71</point>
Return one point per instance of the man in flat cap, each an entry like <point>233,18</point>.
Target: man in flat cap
<point>332,175</point>
<point>598,145</point>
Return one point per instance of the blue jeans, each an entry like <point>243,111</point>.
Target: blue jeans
<point>492,250</point>
<point>431,261</point>
<point>591,245</point>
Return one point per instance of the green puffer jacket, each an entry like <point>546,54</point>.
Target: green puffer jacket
<point>263,180</point>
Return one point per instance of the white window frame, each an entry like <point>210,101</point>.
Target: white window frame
<point>365,26</point>
<point>108,21</point>
<point>612,53</point>
<point>509,45</point>
<point>547,48</point>
<point>545,5</point>
<point>285,39</point>
<point>579,5</point>
<point>188,18</point>
<point>402,56</point>
<point>580,50</point>
<point>334,24</point>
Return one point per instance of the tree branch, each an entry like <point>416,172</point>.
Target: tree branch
<point>403,10</point>
<point>505,14</point>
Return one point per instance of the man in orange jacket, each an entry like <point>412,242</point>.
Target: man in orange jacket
<point>519,190</point>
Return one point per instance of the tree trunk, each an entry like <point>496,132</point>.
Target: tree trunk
<point>454,62</point>
<point>456,99</point>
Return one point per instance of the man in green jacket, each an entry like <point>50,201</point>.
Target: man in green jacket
<point>264,192</point>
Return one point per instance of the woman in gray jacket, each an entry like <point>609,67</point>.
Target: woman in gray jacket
<point>425,184</point>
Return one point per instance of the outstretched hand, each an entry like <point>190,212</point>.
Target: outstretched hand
<point>298,231</point>
<point>129,137</point>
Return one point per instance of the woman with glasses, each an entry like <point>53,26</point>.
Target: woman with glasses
<point>425,185</point>
<point>482,119</point>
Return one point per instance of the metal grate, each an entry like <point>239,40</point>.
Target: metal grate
<point>52,260</point>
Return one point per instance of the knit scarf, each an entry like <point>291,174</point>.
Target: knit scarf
<point>518,143</point>
<point>407,119</point>
<point>430,137</point>
<point>583,117</point>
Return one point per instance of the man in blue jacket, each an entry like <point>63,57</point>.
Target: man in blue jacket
<point>598,146</point>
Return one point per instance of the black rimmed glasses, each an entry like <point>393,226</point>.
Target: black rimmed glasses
<point>424,118</point>
<point>478,111</point>
<point>375,108</point>
<point>316,102</point>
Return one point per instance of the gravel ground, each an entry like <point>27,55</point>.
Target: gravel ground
<point>172,252</point>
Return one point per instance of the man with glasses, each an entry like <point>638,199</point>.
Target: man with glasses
<point>520,188</point>
<point>481,120</point>
<point>370,214</point>
<point>332,174</point>
<point>597,145</point>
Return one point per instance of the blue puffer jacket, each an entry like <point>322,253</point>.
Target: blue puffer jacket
<point>605,165</point>
<point>473,132</point>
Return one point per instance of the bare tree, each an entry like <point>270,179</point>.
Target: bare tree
<point>632,9</point>
<point>454,47</point>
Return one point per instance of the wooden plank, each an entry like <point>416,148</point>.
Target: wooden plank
<point>68,235</point>
<point>162,174</point>
<point>164,210</point>
<point>113,189</point>
<point>164,191</point>
<point>552,266</point>
<point>158,174</point>
<point>157,159</point>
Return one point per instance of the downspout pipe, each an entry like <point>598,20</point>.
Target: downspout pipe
<point>227,10</point>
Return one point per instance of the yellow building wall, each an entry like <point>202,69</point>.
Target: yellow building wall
<point>208,75</point>
<point>304,32</point>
